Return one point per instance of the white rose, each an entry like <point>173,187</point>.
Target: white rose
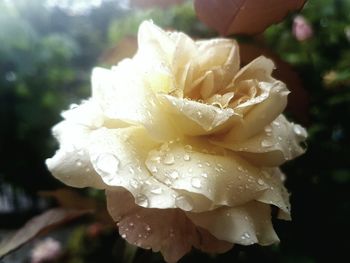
<point>186,143</point>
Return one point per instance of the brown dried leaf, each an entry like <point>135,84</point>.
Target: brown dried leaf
<point>43,223</point>
<point>155,3</point>
<point>244,16</point>
<point>298,100</point>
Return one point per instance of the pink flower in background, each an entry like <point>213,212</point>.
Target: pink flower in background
<point>46,250</point>
<point>302,29</point>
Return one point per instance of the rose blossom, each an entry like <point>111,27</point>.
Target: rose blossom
<point>302,29</point>
<point>46,250</point>
<point>186,143</point>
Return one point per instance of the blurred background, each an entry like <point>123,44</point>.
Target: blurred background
<point>47,51</point>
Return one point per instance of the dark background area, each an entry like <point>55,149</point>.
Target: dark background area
<point>46,57</point>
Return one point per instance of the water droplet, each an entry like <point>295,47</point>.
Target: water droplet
<point>73,106</point>
<point>205,175</point>
<point>154,169</point>
<point>157,191</point>
<point>164,147</point>
<point>131,170</point>
<point>169,159</point>
<point>148,228</point>
<point>300,131</point>
<point>268,129</point>
<point>266,143</point>
<point>184,203</point>
<point>131,224</point>
<point>79,163</point>
<point>240,168</point>
<point>199,114</point>
<point>196,182</point>
<point>260,182</point>
<point>200,165</point>
<point>207,164</point>
<point>124,235</point>
<point>142,200</point>
<point>187,157</point>
<point>167,181</point>
<point>107,163</point>
<point>174,174</point>
<point>188,148</point>
<point>276,123</point>
<point>155,159</point>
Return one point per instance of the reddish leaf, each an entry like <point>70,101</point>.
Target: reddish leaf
<point>244,16</point>
<point>155,3</point>
<point>47,221</point>
<point>298,101</point>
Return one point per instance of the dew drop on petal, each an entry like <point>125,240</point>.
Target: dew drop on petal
<point>107,163</point>
<point>196,182</point>
<point>187,157</point>
<point>154,169</point>
<point>174,174</point>
<point>124,235</point>
<point>266,143</point>
<point>260,182</point>
<point>157,191</point>
<point>184,203</point>
<point>188,147</point>
<point>142,200</point>
<point>169,159</point>
<point>268,129</point>
<point>79,163</point>
<point>300,131</point>
<point>205,175</point>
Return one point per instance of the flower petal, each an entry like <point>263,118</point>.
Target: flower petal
<point>276,194</point>
<point>123,95</point>
<point>209,177</point>
<point>71,163</point>
<point>261,114</point>
<point>245,225</point>
<point>277,143</point>
<point>166,230</point>
<point>195,118</point>
<point>259,69</point>
<point>119,155</point>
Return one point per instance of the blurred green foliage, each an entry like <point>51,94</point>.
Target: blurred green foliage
<point>46,56</point>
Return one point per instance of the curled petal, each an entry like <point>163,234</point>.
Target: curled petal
<point>271,104</point>
<point>195,118</point>
<point>166,230</point>
<point>259,69</point>
<point>274,145</point>
<point>245,225</point>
